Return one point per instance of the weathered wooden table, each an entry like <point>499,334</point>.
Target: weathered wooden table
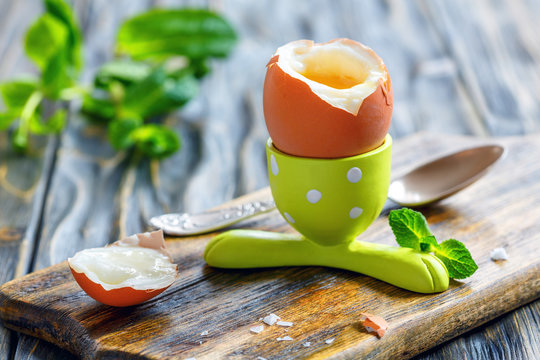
<point>457,67</point>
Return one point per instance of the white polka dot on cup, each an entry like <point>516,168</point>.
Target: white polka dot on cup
<point>273,165</point>
<point>313,196</point>
<point>354,175</point>
<point>355,212</point>
<point>289,218</point>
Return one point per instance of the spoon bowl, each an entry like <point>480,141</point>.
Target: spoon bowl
<point>444,176</point>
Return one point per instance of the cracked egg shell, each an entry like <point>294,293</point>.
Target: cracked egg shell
<point>374,324</point>
<point>127,272</point>
<point>327,100</point>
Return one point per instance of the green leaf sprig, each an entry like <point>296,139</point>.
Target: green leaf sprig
<point>168,53</point>
<point>163,55</point>
<point>411,230</point>
<point>53,43</point>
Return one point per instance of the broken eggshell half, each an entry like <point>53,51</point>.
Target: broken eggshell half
<point>127,272</point>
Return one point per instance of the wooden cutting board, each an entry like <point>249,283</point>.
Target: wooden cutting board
<point>500,210</point>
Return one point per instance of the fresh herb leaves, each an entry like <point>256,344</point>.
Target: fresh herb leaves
<point>166,54</point>
<point>411,230</point>
<point>62,12</point>
<point>193,33</point>
<point>408,227</point>
<point>457,258</point>
<point>129,96</point>
<point>169,50</point>
<point>52,42</point>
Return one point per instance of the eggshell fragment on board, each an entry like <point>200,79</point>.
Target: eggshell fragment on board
<point>498,254</point>
<point>271,319</point>
<point>127,272</point>
<point>374,324</point>
<point>257,329</point>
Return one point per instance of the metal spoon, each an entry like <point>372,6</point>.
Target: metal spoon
<point>426,184</point>
<point>444,176</point>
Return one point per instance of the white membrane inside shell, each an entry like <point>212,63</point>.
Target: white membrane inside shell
<point>335,59</point>
<point>116,267</point>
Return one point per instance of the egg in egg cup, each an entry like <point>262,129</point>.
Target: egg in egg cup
<point>328,109</point>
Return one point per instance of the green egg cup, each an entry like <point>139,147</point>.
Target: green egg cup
<point>330,202</point>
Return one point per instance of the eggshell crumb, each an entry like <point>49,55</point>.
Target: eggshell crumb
<point>498,254</point>
<point>285,338</point>
<point>271,319</point>
<point>374,323</point>
<point>257,329</point>
<point>284,323</point>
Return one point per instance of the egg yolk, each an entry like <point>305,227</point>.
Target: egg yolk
<point>334,69</point>
<point>341,73</point>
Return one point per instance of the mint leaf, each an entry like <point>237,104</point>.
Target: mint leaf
<point>17,92</point>
<point>156,141</point>
<point>56,75</point>
<point>98,109</point>
<point>159,94</point>
<point>200,67</point>
<point>44,39</point>
<point>120,132</point>
<point>428,244</point>
<point>456,258</point>
<point>53,125</point>
<point>125,71</point>
<point>62,12</point>
<point>53,42</point>
<point>6,119</point>
<point>409,227</point>
<point>194,33</point>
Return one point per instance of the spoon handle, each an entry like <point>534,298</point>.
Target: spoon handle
<point>184,224</point>
<point>193,224</point>
<point>402,267</point>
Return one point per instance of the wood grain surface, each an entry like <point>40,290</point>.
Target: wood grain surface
<point>322,303</point>
<point>457,67</point>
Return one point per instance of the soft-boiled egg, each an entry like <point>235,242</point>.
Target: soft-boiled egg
<point>127,272</point>
<point>327,100</point>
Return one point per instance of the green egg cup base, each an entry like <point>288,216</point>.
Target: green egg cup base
<point>402,267</point>
<point>330,202</point>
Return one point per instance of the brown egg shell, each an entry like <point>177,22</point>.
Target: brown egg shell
<point>151,240</point>
<point>375,323</point>
<point>121,297</point>
<point>125,296</point>
<point>300,123</point>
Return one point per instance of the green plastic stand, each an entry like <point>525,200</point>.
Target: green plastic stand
<point>402,267</point>
<point>330,202</point>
